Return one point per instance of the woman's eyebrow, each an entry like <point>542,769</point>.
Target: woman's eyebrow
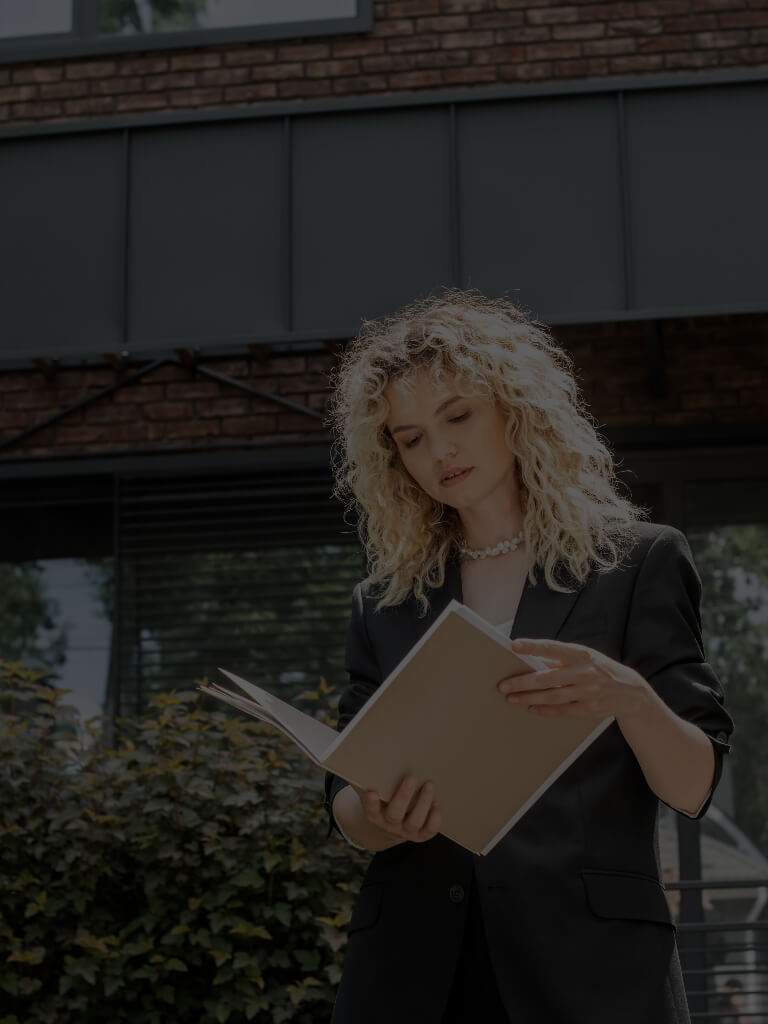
<point>439,409</point>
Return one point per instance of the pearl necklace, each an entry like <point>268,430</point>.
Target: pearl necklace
<point>490,552</point>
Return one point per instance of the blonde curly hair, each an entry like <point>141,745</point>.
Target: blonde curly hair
<point>574,517</point>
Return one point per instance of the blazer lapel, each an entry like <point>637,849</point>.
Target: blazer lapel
<point>540,614</point>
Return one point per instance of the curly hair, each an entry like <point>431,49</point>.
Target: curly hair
<point>574,516</point>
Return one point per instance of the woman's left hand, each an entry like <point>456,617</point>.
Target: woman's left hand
<point>581,682</point>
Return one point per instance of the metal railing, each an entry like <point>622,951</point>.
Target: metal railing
<point>722,937</point>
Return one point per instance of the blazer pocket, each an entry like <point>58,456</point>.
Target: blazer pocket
<point>633,897</point>
<point>367,908</point>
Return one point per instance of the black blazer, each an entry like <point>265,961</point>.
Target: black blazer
<point>578,925</point>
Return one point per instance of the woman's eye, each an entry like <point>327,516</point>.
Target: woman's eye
<point>458,419</point>
<point>411,443</point>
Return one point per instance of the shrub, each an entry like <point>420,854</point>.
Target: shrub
<point>182,876</point>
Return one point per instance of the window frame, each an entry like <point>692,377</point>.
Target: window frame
<point>84,40</point>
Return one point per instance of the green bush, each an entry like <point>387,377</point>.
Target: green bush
<point>182,876</point>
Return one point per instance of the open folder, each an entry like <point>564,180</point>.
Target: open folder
<point>439,716</point>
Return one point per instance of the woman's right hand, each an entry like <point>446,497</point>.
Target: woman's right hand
<point>403,817</point>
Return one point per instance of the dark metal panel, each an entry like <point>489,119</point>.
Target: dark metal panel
<point>371,203</point>
<point>205,233</point>
<point>541,202</point>
<point>60,245</point>
<point>700,219</point>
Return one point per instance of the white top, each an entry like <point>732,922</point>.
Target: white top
<point>502,627</point>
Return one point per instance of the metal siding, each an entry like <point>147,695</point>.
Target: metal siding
<point>60,245</point>
<point>700,218</point>
<point>371,213</point>
<point>540,202</point>
<point>204,238</point>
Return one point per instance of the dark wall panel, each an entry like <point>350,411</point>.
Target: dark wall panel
<point>60,245</point>
<point>205,243</point>
<point>699,161</point>
<point>371,213</point>
<point>540,202</point>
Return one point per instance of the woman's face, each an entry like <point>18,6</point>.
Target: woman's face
<point>437,431</point>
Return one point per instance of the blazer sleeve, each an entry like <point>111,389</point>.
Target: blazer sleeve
<point>364,678</point>
<point>663,643</point>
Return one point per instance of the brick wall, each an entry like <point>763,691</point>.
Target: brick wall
<point>715,368</point>
<point>414,45</point>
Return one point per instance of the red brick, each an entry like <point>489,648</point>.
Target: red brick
<point>679,61</point>
<point>442,59</point>
<point>497,55</point>
<point>91,69</point>
<point>250,55</point>
<point>754,396</point>
<point>411,44</point>
<point>249,93</point>
<point>578,31</point>
<point>635,26</point>
<point>222,407</point>
<point>142,65</point>
<point>553,15</point>
<point>553,51</point>
<point>122,83</point>
<point>194,389</point>
<point>5,77</point>
<point>18,93</point>
<point>192,428</point>
<point>133,432</point>
<point>712,39</point>
<point>249,426</point>
<point>641,63</point>
<point>708,399</point>
<point>140,101</point>
<point>195,61</point>
<point>62,90</point>
<point>526,72</point>
<point>665,43</point>
<point>287,364</point>
<point>177,80</point>
<point>36,111</point>
<point>415,79</point>
<point>408,8</point>
<point>497,20</point>
<point>167,410</point>
<point>196,97</point>
<point>606,12</point>
<point>224,76</point>
<point>332,68</point>
<point>592,68</point>
<point>13,382</point>
<point>466,5</point>
<point>743,19</point>
<point>456,40</point>
<point>39,73</point>
<point>450,23</point>
<point>470,76</point>
<point>388,62</point>
<point>303,89</point>
<point>608,47</point>
<point>139,394</point>
<point>87,434</point>
<point>276,72</point>
<point>399,27</point>
<point>690,23</point>
<point>524,34</point>
<point>232,367</point>
<point>171,371</point>
<point>366,47</point>
<point>110,412</point>
<point>89,105</point>
<point>304,51</point>
<point>296,421</point>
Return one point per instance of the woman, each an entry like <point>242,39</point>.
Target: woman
<point>476,472</point>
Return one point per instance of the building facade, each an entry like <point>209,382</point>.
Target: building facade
<point>201,205</point>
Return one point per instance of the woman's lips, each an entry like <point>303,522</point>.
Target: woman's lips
<point>457,479</point>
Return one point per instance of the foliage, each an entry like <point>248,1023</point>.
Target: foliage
<point>26,611</point>
<point>146,15</point>
<point>733,563</point>
<point>184,875</point>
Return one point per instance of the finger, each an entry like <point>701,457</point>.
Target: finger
<point>397,808</point>
<point>556,649</point>
<point>418,815</point>
<point>547,680</point>
<point>561,695</point>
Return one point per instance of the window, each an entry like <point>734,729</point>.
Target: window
<point>36,29</point>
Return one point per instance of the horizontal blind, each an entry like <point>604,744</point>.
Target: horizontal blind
<point>250,572</point>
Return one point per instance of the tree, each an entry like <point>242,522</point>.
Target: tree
<point>26,613</point>
<point>120,16</point>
